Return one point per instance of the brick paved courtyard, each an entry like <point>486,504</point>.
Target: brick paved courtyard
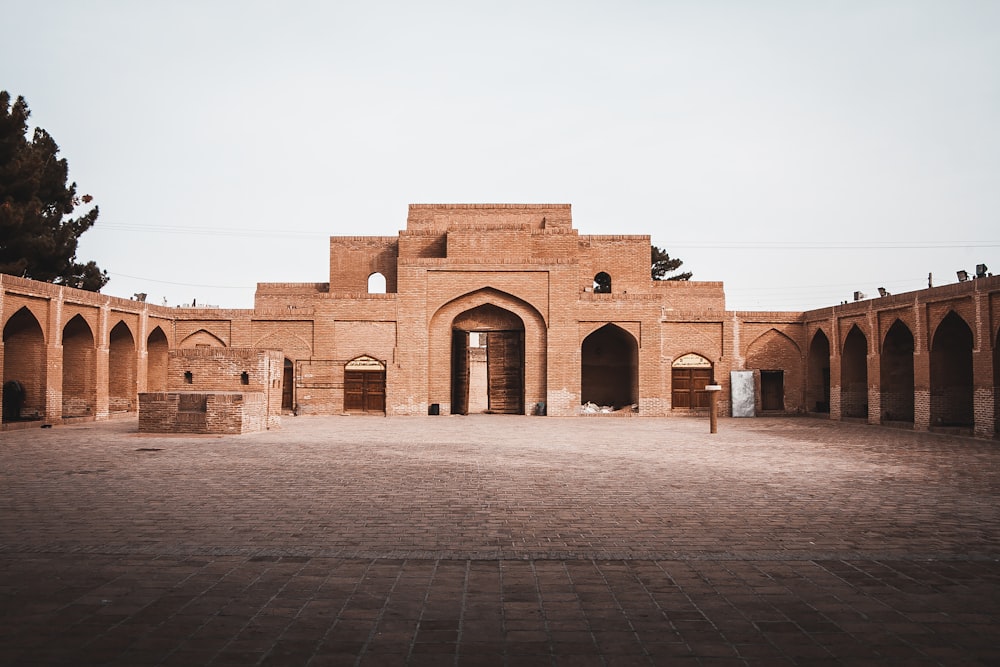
<point>500,540</point>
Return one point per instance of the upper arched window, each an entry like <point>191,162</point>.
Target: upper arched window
<point>602,283</point>
<point>376,283</point>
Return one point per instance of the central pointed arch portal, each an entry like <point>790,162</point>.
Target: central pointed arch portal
<point>514,335</point>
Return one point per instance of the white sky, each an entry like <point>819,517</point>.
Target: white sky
<point>796,150</point>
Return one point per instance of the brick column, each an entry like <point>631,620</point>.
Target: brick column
<point>921,371</point>
<point>54,361</point>
<point>874,384</point>
<point>102,408</point>
<point>983,412</point>
<point>835,413</point>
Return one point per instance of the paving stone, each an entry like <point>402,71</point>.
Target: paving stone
<point>500,540</point>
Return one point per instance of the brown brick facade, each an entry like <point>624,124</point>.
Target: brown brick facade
<point>522,276</point>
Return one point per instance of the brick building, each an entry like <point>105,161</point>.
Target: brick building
<point>509,307</point>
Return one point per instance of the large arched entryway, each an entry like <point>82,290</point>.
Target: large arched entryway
<point>121,370</point>
<point>818,383</point>
<point>951,373</point>
<point>501,333</point>
<point>690,374</point>
<point>79,386</point>
<point>609,368</point>
<point>23,367</point>
<point>854,375</point>
<point>364,385</point>
<point>896,374</point>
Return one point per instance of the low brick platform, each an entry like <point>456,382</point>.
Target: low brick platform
<point>500,540</point>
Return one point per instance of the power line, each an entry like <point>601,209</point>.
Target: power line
<point>167,282</point>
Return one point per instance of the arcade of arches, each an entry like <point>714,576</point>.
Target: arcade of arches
<point>508,309</point>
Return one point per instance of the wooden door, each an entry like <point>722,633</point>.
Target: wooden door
<point>772,390</point>
<point>505,371</point>
<point>689,388</point>
<point>364,391</point>
<point>354,391</point>
<point>287,379</point>
<point>459,372</point>
<point>374,391</point>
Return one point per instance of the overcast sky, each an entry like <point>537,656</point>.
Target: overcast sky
<point>797,151</point>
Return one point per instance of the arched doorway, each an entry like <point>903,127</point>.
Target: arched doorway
<point>23,367</point>
<point>818,383</point>
<point>854,375</point>
<point>501,333</point>
<point>79,387</point>
<point>896,374</point>
<point>157,356</point>
<point>690,374</point>
<point>364,385</point>
<point>609,368</point>
<point>121,370</point>
<point>951,373</point>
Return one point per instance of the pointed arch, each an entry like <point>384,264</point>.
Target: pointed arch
<point>818,373</point>
<point>609,368</point>
<point>121,369</point>
<point>24,367</point>
<point>157,354</point>
<point>854,374</point>
<point>951,373</point>
<point>201,338</point>
<point>777,360</point>
<point>896,377</point>
<point>79,386</point>
<point>441,337</point>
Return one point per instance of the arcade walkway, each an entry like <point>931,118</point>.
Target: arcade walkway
<point>496,540</point>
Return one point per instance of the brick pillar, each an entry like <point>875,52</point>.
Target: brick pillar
<point>835,413</point>
<point>921,370</point>
<point>54,361</point>
<point>983,409</point>
<point>102,409</point>
<point>874,385</point>
<point>142,354</point>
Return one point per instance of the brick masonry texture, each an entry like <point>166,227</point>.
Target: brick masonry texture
<point>494,539</point>
<point>88,356</point>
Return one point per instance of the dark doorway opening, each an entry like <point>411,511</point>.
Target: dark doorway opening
<point>854,375</point>
<point>609,372</point>
<point>896,374</point>
<point>772,390</point>
<point>287,385</point>
<point>818,389</point>
<point>951,373</point>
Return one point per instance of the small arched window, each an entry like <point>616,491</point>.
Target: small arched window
<point>376,283</point>
<point>602,283</point>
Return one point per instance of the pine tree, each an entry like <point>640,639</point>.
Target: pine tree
<point>38,235</point>
<point>661,264</point>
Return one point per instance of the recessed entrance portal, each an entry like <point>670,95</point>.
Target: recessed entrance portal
<point>487,362</point>
<point>364,385</point>
<point>609,373</point>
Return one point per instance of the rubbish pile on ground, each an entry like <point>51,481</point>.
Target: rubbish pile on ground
<point>594,408</point>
